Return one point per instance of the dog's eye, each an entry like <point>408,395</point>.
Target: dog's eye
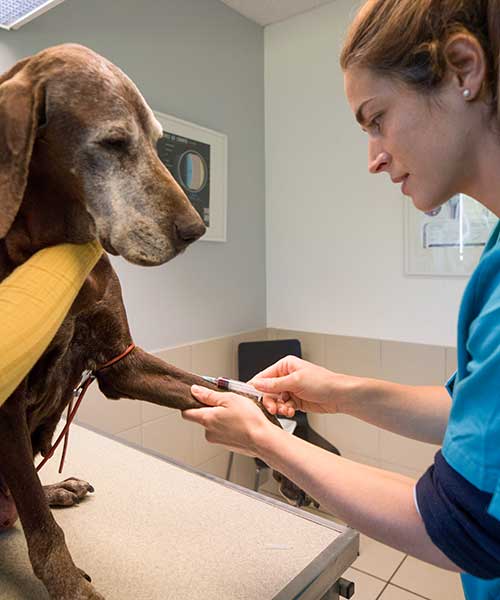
<point>115,143</point>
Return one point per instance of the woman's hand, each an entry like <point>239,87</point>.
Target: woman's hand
<point>231,420</point>
<point>294,384</point>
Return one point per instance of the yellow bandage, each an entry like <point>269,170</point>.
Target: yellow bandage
<point>34,300</point>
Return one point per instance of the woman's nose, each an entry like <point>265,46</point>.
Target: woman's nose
<point>379,163</point>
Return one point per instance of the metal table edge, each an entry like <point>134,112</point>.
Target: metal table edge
<point>322,572</point>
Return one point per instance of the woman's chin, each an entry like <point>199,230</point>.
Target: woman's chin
<point>425,205</point>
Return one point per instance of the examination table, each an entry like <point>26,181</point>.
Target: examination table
<point>156,529</point>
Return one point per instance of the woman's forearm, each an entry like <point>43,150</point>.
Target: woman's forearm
<point>417,412</point>
<point>378,503</point>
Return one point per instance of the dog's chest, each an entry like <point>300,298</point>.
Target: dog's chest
<point>51,381</point>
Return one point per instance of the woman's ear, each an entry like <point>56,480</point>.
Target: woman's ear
<point>466,63</point>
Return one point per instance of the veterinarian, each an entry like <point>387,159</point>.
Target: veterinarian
<point>34,300</point>
<point>422,78</point>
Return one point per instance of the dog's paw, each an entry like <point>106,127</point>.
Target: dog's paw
<point>68,492</point>
<point>73,587</point>
<point>292,493</point>
<point>90,594</point>
<point>83,590</point>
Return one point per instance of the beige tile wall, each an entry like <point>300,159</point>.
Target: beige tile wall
<point>163,430</point>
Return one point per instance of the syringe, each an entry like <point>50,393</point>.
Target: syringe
<point>232,385</point>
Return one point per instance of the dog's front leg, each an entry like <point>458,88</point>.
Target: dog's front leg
<point>49,555</point>
<point>142,376</point>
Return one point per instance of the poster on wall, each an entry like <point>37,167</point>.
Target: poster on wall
<point>197,159</point>
<point>448,240</point>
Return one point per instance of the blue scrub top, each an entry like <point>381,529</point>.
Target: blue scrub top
<point>472,440</point>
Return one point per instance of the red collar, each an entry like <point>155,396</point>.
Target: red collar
<point>86,379</point>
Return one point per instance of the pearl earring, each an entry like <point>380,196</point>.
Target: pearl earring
<point>467,93</point>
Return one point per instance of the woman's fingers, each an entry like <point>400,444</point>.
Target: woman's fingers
<point>270,404</point>
<point>275,385</point>
<point>280,405</point>
<point>287,409</point>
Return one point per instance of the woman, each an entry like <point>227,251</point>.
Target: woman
<point>422,78</point>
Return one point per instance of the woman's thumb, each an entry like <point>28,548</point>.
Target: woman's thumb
<point>207,396</point>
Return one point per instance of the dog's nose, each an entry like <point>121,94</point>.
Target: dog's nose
<point>190,230</point>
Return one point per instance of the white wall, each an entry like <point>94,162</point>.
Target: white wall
<point>202,62</point>
<point>334,232</point>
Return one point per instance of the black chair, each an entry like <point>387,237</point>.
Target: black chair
<point>254,357</point>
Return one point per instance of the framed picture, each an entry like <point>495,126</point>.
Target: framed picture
<point>197,159</point>
<point>448,240</point>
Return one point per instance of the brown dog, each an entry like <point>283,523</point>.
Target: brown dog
<point>78,162</point>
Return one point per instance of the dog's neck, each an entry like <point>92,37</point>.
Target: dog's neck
<point>48,216</point>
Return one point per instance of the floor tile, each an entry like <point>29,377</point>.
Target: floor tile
<point>428,581</point>
<point>392,592</point>
<point>366,586</point>
<point>377,559</point>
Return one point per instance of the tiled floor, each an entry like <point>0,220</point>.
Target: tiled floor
<point>381,573</point>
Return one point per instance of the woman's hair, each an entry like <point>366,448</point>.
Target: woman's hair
<point>405,39</point>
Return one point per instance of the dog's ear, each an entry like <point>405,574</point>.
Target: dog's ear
<point>20,106</point>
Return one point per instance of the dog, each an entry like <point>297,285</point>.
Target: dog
<point>78,162</point>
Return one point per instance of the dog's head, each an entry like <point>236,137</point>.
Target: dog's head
<point>81,125</point>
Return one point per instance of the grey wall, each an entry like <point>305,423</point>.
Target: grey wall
<point>202,62</point>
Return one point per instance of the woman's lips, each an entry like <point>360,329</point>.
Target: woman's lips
<point>402,180</point>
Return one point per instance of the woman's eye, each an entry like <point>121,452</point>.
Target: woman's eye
<point>375,123</point>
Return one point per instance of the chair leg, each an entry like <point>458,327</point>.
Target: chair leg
<point>229,466</point>
<point>257,479</point>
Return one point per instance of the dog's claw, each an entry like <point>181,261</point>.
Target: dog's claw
<point>293,494</point>
<point>85,575</point>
